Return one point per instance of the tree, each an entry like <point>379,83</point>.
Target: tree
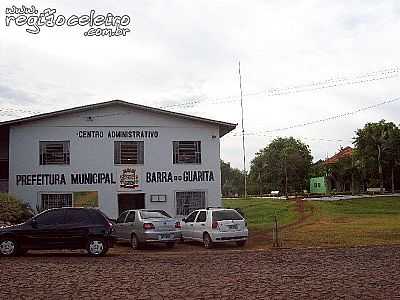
<point>374,143</point>
<point>13,210</point>
<point>318,169</point>
<point>341,173</point>
<point>232,180</point>
<point>283,165</point>
<point>392,156</point>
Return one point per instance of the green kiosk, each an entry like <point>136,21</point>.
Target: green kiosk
<point>318,185</point>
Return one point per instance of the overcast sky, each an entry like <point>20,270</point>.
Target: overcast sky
<point>183,51</point>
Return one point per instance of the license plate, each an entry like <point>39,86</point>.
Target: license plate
<point>232,226</point>
<point>164,236</point>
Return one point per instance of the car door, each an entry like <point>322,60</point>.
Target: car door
<point>187,225</point>
<point>129,224</point>
<point>199,226</point>
<point>76,229</point>
<point>119,226</point>
<point>43,231</point>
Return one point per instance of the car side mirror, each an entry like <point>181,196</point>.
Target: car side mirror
<point>34,223</point>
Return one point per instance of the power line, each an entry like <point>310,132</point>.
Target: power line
<point>331,85</point>
<point>17,110</point>
<point>383,74</point>
<point>334,140</point>
<point>326,119</point>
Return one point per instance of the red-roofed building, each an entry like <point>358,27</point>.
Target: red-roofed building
<point>343,153</point>
<point>338,173</point>
<point>338,168</point>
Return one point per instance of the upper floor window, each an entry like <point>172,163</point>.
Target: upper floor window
<point>54,153</point>
<point>187,152</point>
<point>131,152</point>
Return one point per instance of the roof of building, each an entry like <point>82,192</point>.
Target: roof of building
<point>224,127</point>
<point>343,153</point>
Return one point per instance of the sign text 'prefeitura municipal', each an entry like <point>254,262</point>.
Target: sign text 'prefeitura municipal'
<point>57,179</point>
<point>110,178</point>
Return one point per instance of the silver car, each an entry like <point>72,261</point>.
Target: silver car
<point>143,226</point>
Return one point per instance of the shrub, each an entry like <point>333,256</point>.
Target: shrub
<point>13,210</point>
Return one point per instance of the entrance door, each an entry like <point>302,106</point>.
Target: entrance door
<point>130,201</point>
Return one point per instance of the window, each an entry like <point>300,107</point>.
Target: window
<point>131,217</point>
<point>97,216</point>
<point>77,216</point>
<point>226,215</point>
<point>187,152</point>
<point>56,200</point>
<point>158,198</point>
<point>154,214</point>
<point>191,217</point>
<point>54,153</point>
<point>121,218</point>
<point>130,153</point>
<point>52,217</point>
<point>201,217</point>
<point>3,169</point>
<point>186,202</point>
<point>86,199</point>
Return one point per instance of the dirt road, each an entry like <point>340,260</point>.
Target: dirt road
<point>353,273</point>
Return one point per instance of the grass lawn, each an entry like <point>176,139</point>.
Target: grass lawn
<point>260,212</point>
<point>367,221</point>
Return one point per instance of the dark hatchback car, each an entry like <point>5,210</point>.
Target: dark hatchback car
<point>60,228</point>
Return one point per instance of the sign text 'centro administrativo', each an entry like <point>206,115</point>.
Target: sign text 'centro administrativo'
<point>135,134</point>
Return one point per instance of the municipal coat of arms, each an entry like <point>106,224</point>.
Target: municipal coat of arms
<point>129,179</point>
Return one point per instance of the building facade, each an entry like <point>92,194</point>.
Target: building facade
<point>115,156</point>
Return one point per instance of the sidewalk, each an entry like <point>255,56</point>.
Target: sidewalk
<point>349,197</point>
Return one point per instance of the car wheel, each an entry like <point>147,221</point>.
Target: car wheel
<point>96,247</point>
<point>207,241</point>
<point>241,243</point>
<point>170,245</point>
<point>8,247</point>
<point>135,244</point>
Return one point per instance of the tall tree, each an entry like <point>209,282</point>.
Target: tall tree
<point>392,157</point>
<point>283,165</point>
<point>231,180</point>
<point>374,142</point>
<point>341,172</point>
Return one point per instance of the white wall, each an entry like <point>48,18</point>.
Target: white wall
<point>97,155</point>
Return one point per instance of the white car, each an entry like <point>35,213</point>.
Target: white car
<point>215,225</point>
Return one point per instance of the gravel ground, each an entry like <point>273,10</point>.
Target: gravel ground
<point>352,273</point>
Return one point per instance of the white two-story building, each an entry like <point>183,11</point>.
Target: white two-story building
<point>115,156</point>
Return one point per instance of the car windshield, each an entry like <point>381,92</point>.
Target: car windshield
<point>222,215</point>
<point>154,214</point>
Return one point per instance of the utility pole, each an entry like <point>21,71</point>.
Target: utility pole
<point>244,149</point>
<point>352,174</point>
